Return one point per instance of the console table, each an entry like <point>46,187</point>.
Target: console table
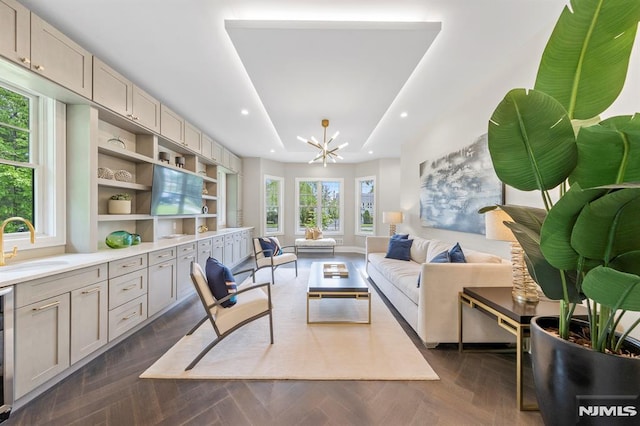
<point>513,316</point>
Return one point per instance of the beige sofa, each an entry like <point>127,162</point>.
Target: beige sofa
<point>432,308</point>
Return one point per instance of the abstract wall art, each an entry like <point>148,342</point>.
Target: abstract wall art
<point>454,187</point>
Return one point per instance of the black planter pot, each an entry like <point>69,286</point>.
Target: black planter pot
<point>576,385</point>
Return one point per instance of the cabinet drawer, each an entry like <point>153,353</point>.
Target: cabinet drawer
<point>129,264</point>
<point>228,239</point>
<point>237,237</point>
<point>160,256</point>
<point>127,316</point>
<point>204,244</point>
<point>186,248</point>
<point>43,288</point>
<point>218,241</point>
<point>127,287</point>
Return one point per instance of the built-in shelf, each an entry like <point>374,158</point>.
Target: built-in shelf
<point>124,154</point>
<point>119,217</point>
<point>126,185</point>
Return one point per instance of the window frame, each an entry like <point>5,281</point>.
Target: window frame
<point>358,222</point>
<point>47,128</point>
<point>280,230</point>
<point>340,181</point>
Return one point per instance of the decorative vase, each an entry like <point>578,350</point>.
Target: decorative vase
<point>137,239</point>
<point>180,161</point>
<point>577,384</point>
<point>119,207</point>
<point>119,239</point>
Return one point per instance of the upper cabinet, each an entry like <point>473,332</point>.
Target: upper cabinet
<point>114,91</point>
<point>192,137</point>
<point>15,32</point>
<point>171,125</point>
<point>146,109</point>
<point>217,152</point>
<point>207,146</point>
<point>59,58</point>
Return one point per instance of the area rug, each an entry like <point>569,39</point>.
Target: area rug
<point>377,351</point>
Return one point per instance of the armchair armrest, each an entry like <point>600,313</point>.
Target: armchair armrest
<point>243,290</point>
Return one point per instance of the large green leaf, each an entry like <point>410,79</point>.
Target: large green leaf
<point>548,277</point>
<point>608,153</point>
<point>531,141</point>
<point>530,217</point>
<point>608,226</point>
<point>612,288</point>
<point>585,62</point>
<point>627,262</point>
<point>555,240</point>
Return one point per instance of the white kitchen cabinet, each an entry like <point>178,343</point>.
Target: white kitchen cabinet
<point>161,288</point>
<point>15,32</point>
<point>217,153</point>
<point>229,260</point>
<point>171,125</point>
<point>204,252</point>
<point>146,109</point>
<point>59,58</point>
<point>192,137</point>
<point>41,342</point>
<point>89,319</point>
<point>186,254</point>
<point>111,89</point>
<point>217,248</point>
<point>207,146</point>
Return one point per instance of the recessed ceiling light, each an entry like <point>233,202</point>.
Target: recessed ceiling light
<point>244,112</point>
<point>272,150</point>
<point>403,114</point>
<point>370,152</point>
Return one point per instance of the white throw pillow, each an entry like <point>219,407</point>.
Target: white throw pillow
<point>474,256</point>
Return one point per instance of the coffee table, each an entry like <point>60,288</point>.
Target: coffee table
<point>335,285</point>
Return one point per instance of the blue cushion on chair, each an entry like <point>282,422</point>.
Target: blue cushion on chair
<point>221,282</point>
<point>270,246</point>
<point>399,249</point>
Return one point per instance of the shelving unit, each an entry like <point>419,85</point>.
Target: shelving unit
<point>119,144</point>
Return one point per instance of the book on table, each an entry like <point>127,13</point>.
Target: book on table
<point>338,270</point>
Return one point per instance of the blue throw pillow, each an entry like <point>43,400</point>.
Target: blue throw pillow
<point>221,282</point>
<point>399,249</point>
<point>444,257</point>
<point>400,237</point>
<point>270,246</point>
<point>456,255</point>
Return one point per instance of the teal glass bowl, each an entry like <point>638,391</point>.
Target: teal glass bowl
<point>137,239</point>
<point>119,239</point>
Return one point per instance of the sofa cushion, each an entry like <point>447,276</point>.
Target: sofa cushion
<point>442,257</point>
<point>400,237</point>
<point>436,247</point>
<point>419,249</point>
<point>399,249</point>
<point>474,256</point>
<point>402,274</point>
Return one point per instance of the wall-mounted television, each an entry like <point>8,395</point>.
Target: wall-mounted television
<point>175,193</point>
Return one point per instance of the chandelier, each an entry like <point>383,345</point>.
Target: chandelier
<point>325,153</point>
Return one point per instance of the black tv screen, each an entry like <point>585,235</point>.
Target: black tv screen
<point>175,193</point>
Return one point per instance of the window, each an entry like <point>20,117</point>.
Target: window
<point>365,205</point>
<point>319,204</point>
<point>31,152</point>
<point>273,204</point>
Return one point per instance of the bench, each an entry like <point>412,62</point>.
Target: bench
<point>320,243</point>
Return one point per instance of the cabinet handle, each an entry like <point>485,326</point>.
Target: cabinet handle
<point>134,117</point>
<point>164,265</point>
<point>128,317</point>
<point>164,255</point>
<point>25,60</point>
<point>93,290</point>
<point>39,68</point>
<point>131,287</point>
<point>129,265</point>
<point>189,257</point>
<point>47,306</point>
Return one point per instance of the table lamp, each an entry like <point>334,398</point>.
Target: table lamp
<point>392,218</point>
<point>524,288</point>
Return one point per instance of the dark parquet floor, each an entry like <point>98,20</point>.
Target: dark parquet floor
<point>475,389</point>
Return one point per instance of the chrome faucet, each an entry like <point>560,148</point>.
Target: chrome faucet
<point>11,254</point>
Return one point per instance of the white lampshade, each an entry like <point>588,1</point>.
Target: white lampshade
<point>392,217</point>
<point>495,228</point>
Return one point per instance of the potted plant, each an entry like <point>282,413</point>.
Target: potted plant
<point>120,204</point>
<point>586,245</point>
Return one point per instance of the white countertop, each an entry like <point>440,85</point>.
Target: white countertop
<point>17,271</point>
